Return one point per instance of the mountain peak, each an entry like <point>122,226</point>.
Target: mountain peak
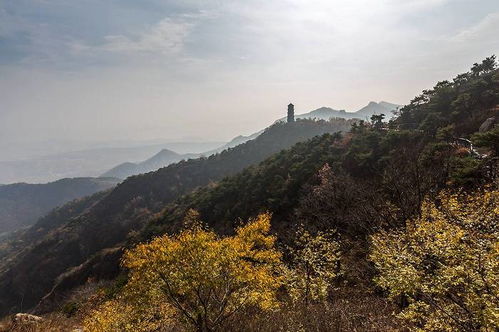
<point>372,108</point>
<point>166,152</point>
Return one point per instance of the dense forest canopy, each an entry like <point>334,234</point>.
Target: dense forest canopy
<point>456,107</point>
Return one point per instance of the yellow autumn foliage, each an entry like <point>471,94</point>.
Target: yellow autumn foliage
<point>314,262</point>
<point>135,310</point>
<point>204,279</point>
<point>445,263</point>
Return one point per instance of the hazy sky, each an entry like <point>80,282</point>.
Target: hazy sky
<point>212,69</point>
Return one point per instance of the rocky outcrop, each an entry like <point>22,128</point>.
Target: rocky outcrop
<point>488,124</point>
<point>23,319</point>
<point>21,322</point>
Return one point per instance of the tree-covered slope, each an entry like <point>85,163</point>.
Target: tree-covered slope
<point>21,204</point>
<point>455,108</point>
<point>15,243</point>
<point>373,178</point>
<point>272,185</point>
<point>108,222</point>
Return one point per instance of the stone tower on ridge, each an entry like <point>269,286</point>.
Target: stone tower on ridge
<point>291,113</point>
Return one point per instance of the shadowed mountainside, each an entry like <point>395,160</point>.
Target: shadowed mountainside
<point>21,204</point>
<point>66,243</point>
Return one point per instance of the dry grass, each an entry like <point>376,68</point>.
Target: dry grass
<point>54,322</point>
<point>66,316</point>
<point>350,315</point>
<point>347,310</point>
<point>356,314</point>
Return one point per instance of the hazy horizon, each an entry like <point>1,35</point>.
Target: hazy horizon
<point>100,71</point>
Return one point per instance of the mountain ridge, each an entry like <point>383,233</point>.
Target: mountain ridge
<point>363,113</point>
<point>69,242</point>
<point>21,204</point>
<point>127,169</point>
<point>161,159</point>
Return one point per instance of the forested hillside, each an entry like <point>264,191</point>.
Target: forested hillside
<point>344,207</point>
<point>424,186</point>
<point>21,204</point>
<point>107,222</point>
<point>399,163</point>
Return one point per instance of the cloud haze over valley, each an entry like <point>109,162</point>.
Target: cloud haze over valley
<point>74,72</point>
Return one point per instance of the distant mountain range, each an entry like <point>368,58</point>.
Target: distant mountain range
<point>166,157</point>
<point>324,113</point>
<point>122,161</point>
<point>365,113</point>
<point>373,108</point>
<point>21,204</point>
<point>87,163</point>
<point>161,159</point>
